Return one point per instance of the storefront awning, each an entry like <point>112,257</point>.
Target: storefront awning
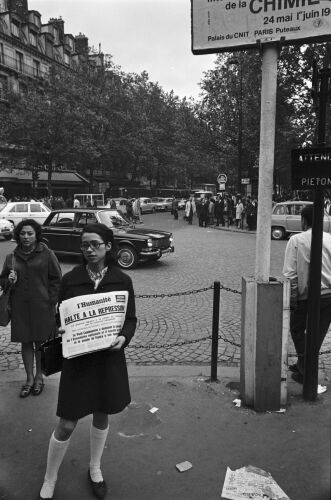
<point>68,177</point>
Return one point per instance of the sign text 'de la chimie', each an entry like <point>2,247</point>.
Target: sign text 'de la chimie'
<point>311,168</point>
<point>221,25</point>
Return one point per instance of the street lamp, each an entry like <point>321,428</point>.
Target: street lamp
<point>238,63</point>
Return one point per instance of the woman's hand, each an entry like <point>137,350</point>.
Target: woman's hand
<point>61,331</point>
<point>118,343</point>
<point>12,276</point>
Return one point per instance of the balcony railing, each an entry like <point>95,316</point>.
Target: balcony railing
<point>22,67</point>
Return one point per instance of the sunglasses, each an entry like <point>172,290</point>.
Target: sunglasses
<point>95,245</point>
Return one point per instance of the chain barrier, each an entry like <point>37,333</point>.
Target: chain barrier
<point>182,342</point>
<point>189,292</point>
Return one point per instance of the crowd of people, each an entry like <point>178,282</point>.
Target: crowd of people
<point>228,210</point>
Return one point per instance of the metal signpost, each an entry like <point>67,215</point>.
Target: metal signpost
<point>229,25</point>
<point>311,169</point>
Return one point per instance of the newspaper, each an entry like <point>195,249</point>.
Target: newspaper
<point>92,322</point>
<point>251,482</point>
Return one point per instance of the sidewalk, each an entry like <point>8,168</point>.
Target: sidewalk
<point>195,421</point>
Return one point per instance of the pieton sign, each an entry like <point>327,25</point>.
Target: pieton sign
<point>311,168</point>
<point>222,25</point>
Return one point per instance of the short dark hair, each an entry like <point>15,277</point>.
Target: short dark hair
<point>107,236</point>
<point>307,214</point>
<point>28,222</point>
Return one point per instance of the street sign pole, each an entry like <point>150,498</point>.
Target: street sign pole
<point>310,379</point>
<point>266,163</point>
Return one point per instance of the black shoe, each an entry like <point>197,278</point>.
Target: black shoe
<point>99,489</point>
<point>297,377</point>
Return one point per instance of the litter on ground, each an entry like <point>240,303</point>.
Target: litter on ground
<point>251,482</point>
<point>184,466</point>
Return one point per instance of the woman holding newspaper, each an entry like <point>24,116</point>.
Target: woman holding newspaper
<point>95,383</point>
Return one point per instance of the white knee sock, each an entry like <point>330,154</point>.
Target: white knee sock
<point>97,443</point>
<point>56,452</point>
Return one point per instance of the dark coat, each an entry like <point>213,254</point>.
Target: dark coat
<point>96,382</point>
<point>34,294</point>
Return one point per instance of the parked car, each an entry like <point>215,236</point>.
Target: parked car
<point>147,205</point>
<point>62,230</point>
<point>15,211</point>
<point>286,219</point>
<point>163,204</point>
<point>6,229</point>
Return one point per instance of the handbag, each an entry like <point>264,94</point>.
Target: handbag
<point>5,309</point>
<point>51,355</point>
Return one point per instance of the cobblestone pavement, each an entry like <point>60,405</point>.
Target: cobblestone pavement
<point>176,329</point>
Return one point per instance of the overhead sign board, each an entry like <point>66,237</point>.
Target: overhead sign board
<point>223,25</point>
<point>311,168</point>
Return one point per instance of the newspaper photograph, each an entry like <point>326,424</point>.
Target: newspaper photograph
<point>92,322</point>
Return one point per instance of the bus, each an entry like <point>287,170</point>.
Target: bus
<point>205,187</point>
<point>83,198</point>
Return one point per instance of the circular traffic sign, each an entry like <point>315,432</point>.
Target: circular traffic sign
<point>222,178</point>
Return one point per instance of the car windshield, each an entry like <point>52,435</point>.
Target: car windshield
<point>112,219</point>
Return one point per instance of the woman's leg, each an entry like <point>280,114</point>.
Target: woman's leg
<point>38,376</point>
<point>28,357</point>
<point>98,436</point>
<point>58,445</point>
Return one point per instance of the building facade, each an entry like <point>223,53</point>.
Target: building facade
<point>28,50</point>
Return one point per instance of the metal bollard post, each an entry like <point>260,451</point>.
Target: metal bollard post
<point>214,342</point>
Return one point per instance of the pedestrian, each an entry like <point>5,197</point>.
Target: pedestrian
<point>211,210</point>
<point>88,203</point>
<point>174,208</point>
<point>35,275</point>
<point>136,211</point>
<point>95,383</point>
<point>189,210</point>
<point>129,212</point>
<point>251,214</point>
<point>95,203</point>
<point>239,212</point>
<point>204,213</point>
<point>218,211</point>
<point>296,268</point>
<point>76,202</point>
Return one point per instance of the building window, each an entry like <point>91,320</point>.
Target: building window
<point>3,86</point>
<point>19,61</point>
<point>15,30</point>
<point>33,38</point>
<point>36,68</point>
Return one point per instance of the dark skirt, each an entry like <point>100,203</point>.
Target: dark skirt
<point>93,383</point>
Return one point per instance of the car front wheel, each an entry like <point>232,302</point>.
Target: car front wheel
<point>127,257</point>
<point>277,233</point>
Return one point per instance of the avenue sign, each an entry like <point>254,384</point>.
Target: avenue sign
<point>311,168</point>
<point>222,25</point>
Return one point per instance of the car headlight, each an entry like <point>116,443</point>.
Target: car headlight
<point>171,239</point>
<point>149,243</point>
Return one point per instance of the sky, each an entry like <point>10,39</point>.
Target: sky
<point>141,35</point>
